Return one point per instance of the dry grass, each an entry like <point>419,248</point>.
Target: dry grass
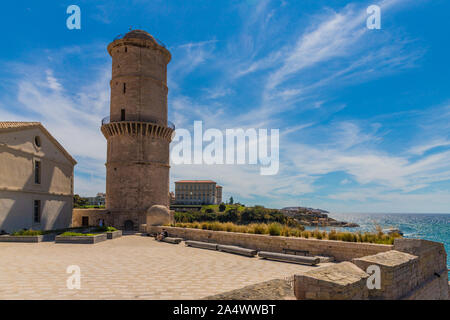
<point>276,229</point>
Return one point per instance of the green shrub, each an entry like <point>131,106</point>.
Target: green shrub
<point>274,229</point>
<point>104,229</point>
<point>28,232</point>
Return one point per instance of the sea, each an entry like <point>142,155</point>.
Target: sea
<point>434,227</point>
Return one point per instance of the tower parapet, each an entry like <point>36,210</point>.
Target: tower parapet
<point>137,131</point>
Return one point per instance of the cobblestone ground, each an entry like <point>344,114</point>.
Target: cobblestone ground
<point>131,267</point>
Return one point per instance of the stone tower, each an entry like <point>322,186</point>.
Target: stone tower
<point>137,130</point>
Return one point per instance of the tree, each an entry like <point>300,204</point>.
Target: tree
<point>222,207</point>
<point>78,201</point>
<point>231,200</point>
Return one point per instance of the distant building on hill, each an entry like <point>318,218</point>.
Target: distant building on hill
<point>98,200</point>
<point>36,179</point>
<point>197,192</point>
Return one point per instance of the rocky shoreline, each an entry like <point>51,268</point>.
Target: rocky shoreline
<point>315,217</point>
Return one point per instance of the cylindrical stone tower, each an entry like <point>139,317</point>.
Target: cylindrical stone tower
<point>137,131</point>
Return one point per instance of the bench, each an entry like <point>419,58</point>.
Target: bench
<point>289,258</point>
<point>237,250</point>
<point>202,245</point>
<point>296,252</point>
<point>172,240</point>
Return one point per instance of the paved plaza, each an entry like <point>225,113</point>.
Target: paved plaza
<point>130,267</point>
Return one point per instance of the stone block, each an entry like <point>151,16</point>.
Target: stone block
<point>341,281</point>
<point>398,273</point>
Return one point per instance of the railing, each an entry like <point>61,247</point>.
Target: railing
<point>141,118</point>
<point>120,36</point>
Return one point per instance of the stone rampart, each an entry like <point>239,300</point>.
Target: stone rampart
<point>415,270</point>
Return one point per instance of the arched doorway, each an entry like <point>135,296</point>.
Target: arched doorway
<point>128,225</point>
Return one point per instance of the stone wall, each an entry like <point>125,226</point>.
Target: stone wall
<point>432,268</point>
<point>415,270</point>
<point>94,216</point>
<point>340,250</point>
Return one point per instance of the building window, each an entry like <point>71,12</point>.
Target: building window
<point>126,49</point>
<point>122,115</point>
<point>37,172</point>
<point>37,141</point>
<point>37,211</point>
<point>124,87</point>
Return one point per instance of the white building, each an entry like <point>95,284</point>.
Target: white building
<point>36,179</point>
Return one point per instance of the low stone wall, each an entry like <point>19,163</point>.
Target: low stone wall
<point>82,239</point>
<point>416,269</point>
<point>114,234</point>
<point>34,239</point>
<point>340,250</point>
<point>94,215</point>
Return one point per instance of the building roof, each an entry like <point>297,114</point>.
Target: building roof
<point>139,34</point>
<point>17,125</point>
<point>195,181</point>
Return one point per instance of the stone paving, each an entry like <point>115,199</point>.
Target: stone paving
<point>131,267</point>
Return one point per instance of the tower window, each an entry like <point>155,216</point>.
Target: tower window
<point>126,49</point>
<point>37,172</point>
<point>37,211</point>
<point>122,115</point>
<point>124,87</point>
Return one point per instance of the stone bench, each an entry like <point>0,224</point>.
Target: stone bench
<point>289,258</point>
<point>296,252</point>
<point>202,245</point>
<point>237,250</point>
<point>172,240</point>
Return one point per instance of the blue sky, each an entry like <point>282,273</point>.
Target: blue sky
<point>364,115</point>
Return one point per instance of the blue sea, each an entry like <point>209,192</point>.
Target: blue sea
<point>434,227</point>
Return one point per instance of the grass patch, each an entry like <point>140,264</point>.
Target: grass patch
<point>76,234</point>
<point>277,229</point>
<point>29,232</point>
